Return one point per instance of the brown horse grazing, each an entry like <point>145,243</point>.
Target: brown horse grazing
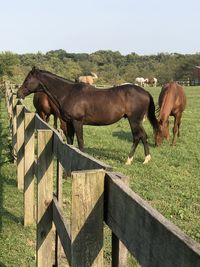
<point>81,104</point>
<point>172,102</point>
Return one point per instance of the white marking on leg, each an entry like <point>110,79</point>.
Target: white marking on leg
<point>129,160</point>
<point>147,159</point>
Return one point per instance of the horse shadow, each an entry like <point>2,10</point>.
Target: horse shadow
<point>106,154</point>
<point>122,135</point>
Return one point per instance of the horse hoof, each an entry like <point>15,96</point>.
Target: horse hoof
<point>129,160</point>
<point>147,159</point>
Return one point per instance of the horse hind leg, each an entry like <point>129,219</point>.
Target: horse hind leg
<point>179,124</point>
<point>146,149</point>
<point>177,121</point>
<point>138,133</point>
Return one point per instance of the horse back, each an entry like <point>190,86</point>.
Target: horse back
<point>106,106</point>
<point>172,98</point>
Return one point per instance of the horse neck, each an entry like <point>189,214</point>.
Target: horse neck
<point>166,107</point>
<point>53,87</point>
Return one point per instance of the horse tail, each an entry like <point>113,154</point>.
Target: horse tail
<point>151,114</point>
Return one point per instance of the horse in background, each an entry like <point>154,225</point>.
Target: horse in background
<point>88,79</point>
<point>45,108</point>
<point>140,81</point>
<point>82,104</point>
<point>151,81</point>
<point>172,102</point>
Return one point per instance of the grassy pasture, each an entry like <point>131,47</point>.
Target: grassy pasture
<point>170,182</point>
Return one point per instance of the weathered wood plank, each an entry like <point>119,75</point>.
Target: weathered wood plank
<point>14,127</point>
<point>62,228</point>
<point>20,146</point>
<point>149,236</point>
<point>59,187</point>
<point>29,162</point>
<point>72,159</point>
<point>44,198</point>
<point>119,251</point>
<point>87,218</point>
<point>41,125</point>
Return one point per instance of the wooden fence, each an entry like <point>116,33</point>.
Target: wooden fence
<point>98,195</point>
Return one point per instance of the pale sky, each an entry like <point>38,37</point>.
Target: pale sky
<point>85,26</point>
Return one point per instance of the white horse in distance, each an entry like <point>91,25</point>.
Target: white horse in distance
<point>140,81</point>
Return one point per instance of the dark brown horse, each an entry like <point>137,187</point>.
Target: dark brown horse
<point>172,102</point>
<point>81,104</point>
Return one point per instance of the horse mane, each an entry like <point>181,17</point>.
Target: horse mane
<point>56,76</point>
<point>165,104</point>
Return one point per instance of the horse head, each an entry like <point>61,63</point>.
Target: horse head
<point>30,85</point>
<point>162,132</point>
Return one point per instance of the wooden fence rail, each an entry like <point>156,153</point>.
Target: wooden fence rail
<point>98,195</point>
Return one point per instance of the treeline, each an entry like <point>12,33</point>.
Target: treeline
<point>111,67</point>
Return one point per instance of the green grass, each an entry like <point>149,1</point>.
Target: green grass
<point>16,242</point>
<point>170,182</point>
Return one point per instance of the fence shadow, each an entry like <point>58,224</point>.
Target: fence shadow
<point>5,158</point>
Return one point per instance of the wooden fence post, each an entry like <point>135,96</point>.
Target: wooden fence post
<point>87,218</point>
<point>14,127</point>
<point>20,146</point>
<point>119,251</point>
<point>29,162</point>
<point>44,198</point>
<point>9,100</point>
<point>59,177</point>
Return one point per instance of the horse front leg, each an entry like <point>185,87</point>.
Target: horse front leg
<point>131,153</point>
<point>78,127</point>
<point>146,149</point>
<point>68,129</point>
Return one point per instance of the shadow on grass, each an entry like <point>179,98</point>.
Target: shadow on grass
<point>111,154</point>
<point>128,137</point>
<point>5,158</point>
<point>100,153</point>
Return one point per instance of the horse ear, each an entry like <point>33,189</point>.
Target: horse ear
<point>34,70</point>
